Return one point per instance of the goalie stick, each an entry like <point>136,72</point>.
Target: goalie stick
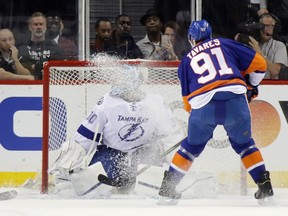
<point>6,195</point>
<point>106,180</point>
<point>181,191</point>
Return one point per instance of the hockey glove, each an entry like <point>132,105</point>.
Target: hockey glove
<point>252,92</point>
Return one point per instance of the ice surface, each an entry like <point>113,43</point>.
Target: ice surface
<point>32,203</point>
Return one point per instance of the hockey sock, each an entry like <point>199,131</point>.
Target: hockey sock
<point>254,164</point>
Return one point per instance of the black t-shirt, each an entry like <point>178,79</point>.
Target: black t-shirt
<point>35,53</point>
<point>7,65</point>
<point>128,51</point>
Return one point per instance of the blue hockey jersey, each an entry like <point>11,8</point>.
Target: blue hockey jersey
<point>218,65</point>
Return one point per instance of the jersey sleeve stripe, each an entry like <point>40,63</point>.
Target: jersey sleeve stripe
<point>258,64</point>
<point>85,132</point>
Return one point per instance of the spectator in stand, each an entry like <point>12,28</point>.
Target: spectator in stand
<point>123,43</point>
<point>103,28</point>
<point>54,28</point>
<point>272,50</point>
<point>38,49</point>
<point>170,29</point>
<point>10,65</point>
<point>278,8</point>
<point>155,45</point>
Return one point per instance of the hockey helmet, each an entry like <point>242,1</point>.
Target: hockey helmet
<point>199,30</point>
<point>126,80</point>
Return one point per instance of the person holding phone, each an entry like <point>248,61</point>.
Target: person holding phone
<point>155,45</point>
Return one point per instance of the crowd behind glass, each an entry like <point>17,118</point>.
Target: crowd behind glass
<point>165,38</point>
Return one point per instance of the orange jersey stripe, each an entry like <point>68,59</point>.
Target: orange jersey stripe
<point>252,159</point>
<point>181,162</point>
<point>257,61</point>
<point>216,84</point>
<point>187,106</point>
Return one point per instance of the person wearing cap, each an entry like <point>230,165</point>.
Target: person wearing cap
<point>155,45</point>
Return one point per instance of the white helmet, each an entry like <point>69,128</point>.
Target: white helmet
<point>126,80</point>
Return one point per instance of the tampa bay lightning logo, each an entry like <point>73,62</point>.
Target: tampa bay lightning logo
<point>131,132</point>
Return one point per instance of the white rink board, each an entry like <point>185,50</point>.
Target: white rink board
<point>30,161</point>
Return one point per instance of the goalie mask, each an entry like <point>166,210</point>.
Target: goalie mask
<point>198,31</point>
<point>126,82</point>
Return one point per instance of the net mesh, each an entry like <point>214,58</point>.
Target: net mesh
<point>74,90</point>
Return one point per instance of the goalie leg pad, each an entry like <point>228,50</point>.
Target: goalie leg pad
<point>71,153</point>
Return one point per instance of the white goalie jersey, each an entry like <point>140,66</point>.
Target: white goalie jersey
<point>127,125</point>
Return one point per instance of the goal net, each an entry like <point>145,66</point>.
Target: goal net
<point>71,89</point>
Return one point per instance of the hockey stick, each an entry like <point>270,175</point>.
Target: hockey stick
<point>143,169</point>
<point>181,191</point>
<point>105,180</point>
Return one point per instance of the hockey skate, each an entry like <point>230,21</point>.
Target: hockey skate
<point>167,192</point>
<point>264,194</point>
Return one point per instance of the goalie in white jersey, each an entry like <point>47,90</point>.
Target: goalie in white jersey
<point>131,123</point>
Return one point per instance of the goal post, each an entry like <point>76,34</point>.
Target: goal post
<point>71,89</point>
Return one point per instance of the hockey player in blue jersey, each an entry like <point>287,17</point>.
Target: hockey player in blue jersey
<point>214,78</point>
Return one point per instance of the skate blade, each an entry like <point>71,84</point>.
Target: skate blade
<point>167,201</point>
<point>268,201</point>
